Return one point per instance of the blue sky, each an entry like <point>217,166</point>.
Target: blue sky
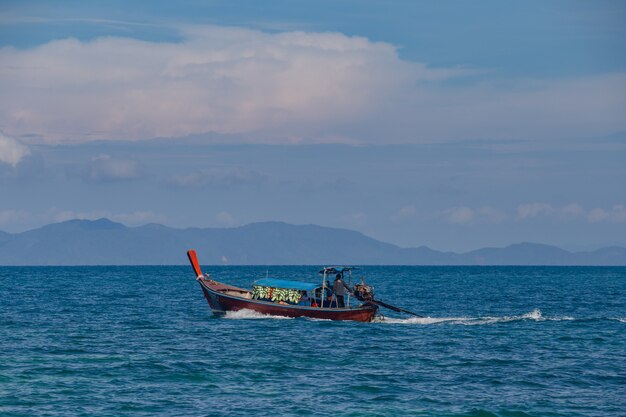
<point>450,124</point>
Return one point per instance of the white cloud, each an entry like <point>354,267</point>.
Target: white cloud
<point>597,215</point>
<point>9,218</point>
<point>225,177</point>
<point>12,151</point>
<point>225,218</point>
<point>530,210</point>
<point>405,212</point>
<point>355,219</point>
<point>616,214</point>
<point>227,80</point>
<point>490,214</point>
<point>282,87</point>
<point>459,215</point>
<point>465,215</point>
<point>572,211</point>
<point>104,168</point>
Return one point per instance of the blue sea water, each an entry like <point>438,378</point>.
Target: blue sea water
<point>141,341</point>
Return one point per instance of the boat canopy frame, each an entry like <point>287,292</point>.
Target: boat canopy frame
<point>287,284</point>
<point>328,270</point>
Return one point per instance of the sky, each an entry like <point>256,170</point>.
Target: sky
<point>456,125</point>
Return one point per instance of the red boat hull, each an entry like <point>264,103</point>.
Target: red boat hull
<point>220,303</point>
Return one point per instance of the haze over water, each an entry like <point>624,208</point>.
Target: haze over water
<point>503,341</point>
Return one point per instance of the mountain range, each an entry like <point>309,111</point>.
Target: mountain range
<point>103,242</point>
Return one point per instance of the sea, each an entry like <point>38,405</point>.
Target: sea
<point>142,341</point>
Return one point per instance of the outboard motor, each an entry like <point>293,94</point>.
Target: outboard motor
<point>363,291</point>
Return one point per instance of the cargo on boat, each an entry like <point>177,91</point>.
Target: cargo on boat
<point>288,298</point>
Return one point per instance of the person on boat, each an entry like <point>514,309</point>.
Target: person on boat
<point>338,289</point>
<point>328,301</point>
<point>304,299</point>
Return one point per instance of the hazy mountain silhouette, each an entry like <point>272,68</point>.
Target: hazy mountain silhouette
<point>103,242</point>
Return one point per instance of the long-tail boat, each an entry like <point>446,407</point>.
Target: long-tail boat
<point>277,297</point>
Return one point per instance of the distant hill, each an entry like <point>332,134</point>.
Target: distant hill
<point>103,242</point>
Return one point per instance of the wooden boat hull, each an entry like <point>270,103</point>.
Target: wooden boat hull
<point>220,303</point>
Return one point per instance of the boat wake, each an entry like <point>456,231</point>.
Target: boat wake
<point>246,314</point>
<point>534,315</point>
<point>251,314</point>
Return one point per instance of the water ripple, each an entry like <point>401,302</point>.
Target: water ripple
<point>500,341</point>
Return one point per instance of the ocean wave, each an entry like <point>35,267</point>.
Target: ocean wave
<point>251,314</point>
<point>534,315</point>
<point>620,319</point>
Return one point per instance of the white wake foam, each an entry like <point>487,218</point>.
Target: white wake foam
<point>421,320</point>
<point>251,314</point>
<point>534,315</point>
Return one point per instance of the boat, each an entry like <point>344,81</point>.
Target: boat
<point>278,297</point>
